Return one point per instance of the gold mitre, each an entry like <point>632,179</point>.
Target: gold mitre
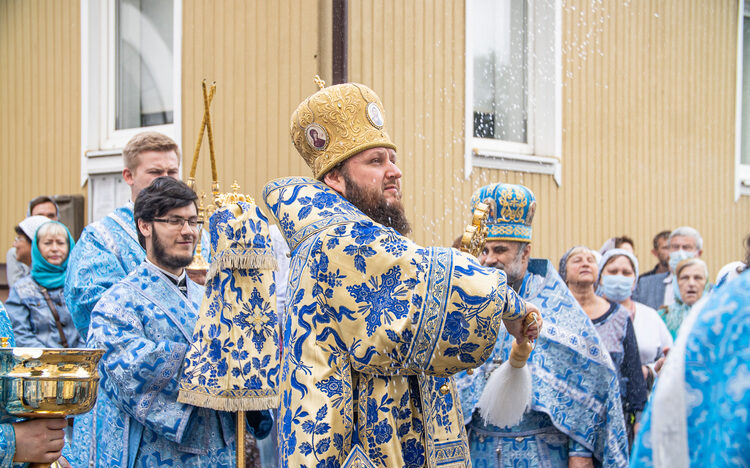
<point>336,123</point>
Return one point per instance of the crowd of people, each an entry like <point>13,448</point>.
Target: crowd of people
<point>386,346</point>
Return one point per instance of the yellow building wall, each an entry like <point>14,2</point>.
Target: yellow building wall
<point>648,121</point>
<point>40,105</point>
<point>648,110</point>
<point>263,56</point>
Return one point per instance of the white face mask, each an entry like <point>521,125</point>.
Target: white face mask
<point>678,256</point>
<point>616,288</point>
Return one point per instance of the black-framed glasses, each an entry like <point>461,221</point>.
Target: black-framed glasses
<point>179,221</point>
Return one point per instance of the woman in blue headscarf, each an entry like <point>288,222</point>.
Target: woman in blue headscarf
<point>36,304</point>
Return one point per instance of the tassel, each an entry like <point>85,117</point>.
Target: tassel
<point>507,394</point>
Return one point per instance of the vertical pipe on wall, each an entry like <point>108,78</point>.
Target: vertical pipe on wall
<point>340,40</point>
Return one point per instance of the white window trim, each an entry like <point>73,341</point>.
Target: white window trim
<point>101,144</point>
<point>741,171</point>
<point>543,154</point>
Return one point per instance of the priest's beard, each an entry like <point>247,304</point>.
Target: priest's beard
<point>163,258</point>
<point>375,206</point>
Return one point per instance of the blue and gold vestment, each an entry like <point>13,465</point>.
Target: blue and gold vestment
<point>145,325</point>
<point>575,408</point>
<point>374,328</point>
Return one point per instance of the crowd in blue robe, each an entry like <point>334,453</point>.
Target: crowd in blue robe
<point>129,307</point>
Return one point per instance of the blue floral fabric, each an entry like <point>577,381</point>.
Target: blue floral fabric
<point>144,324</point>
<point>374,328</point>
<point>716,382</point>
<point>575,407</point>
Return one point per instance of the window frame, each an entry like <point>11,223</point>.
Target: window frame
<point>543,150</point>
<point>741,171</point>
<point>101,143</point>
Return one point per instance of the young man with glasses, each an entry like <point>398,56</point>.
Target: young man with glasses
<point>145,323</point>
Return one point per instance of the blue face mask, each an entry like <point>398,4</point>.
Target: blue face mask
<point>616,288</point>
<point>678,256</point>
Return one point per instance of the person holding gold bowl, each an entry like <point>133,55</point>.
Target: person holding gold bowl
<point>36,440</point>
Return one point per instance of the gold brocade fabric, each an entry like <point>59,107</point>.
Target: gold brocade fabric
<point>336,123</point>
<point>233,361</point>
<point>374,329</point>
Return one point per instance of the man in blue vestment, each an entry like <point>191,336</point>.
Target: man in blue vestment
<point>108,249</point>
<point>145,324</point>
<point>575,418</point>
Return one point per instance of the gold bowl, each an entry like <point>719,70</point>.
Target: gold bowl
<point>53,383</point>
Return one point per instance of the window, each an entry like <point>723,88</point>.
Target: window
<point>130,83</point>
<point>513,85</point>
<point>742,158</point>
<point>143,63</point>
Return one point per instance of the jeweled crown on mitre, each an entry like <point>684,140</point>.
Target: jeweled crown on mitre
<point>512,210</point>
<point>336,123</point>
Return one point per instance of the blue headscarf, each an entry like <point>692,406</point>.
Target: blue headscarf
<point>43,272</point>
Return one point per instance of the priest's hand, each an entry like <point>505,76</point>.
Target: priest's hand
<point>526,327</point>
<point>39,440</point>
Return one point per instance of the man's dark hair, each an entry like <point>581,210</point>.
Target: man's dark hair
<point>623,240</point>
<point>20,232</point>
<point>662,235</point>
<point>164,194</point>
<point>42,199</point>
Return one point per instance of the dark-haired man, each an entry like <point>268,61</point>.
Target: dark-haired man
<point>375,325</point>
<point>18,257</point>
<point>145,324</point>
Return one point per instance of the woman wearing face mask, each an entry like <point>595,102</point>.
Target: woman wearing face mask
<point>691,285</point>
<point>618,271</point>
<point>580,272</point>
<point>35,303</point>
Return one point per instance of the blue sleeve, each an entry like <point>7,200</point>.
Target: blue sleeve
<point>7,445</point>
<point>20,316</point>
<point>92,270</point>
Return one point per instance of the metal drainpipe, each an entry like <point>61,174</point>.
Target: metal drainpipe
<point>340,46</point>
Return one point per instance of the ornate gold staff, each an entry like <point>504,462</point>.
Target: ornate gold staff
<point>199,264</point>
<point>225,396</point>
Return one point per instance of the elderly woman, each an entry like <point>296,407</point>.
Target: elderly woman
<point>580,272</point>
<point>691,285</point>
<point>35,303</point>
<point>618,271</point>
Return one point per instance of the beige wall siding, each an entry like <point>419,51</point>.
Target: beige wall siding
<point>648,121</point>
<point>263,56</point>
<point>40,95</point>
<point>648,109</point>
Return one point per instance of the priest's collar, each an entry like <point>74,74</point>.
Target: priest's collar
<point>175,278</point>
